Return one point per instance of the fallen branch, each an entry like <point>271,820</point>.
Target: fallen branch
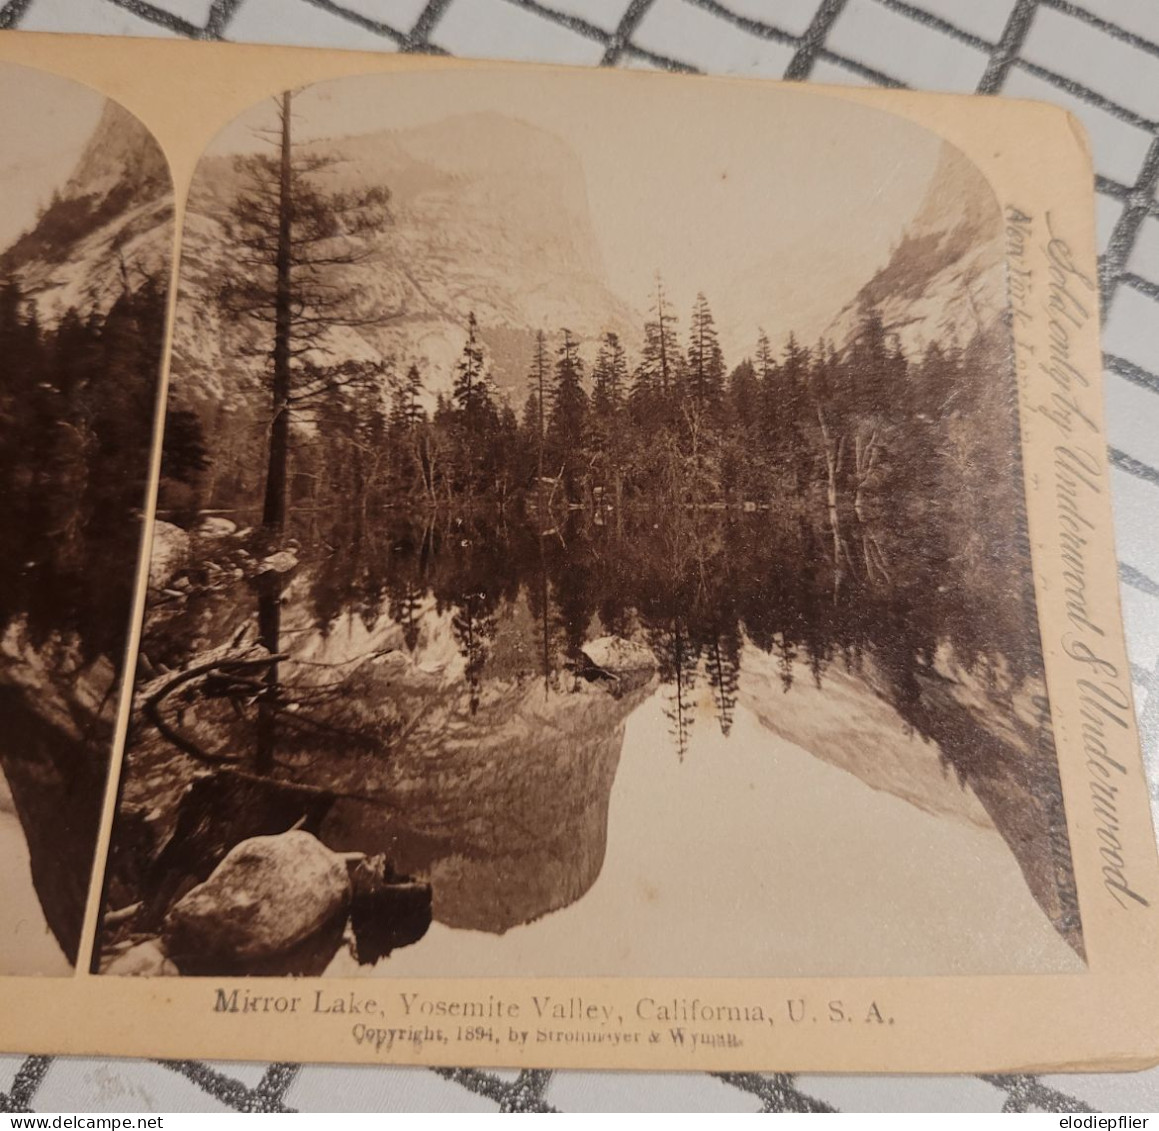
<point>164,686</point>
<point>152,711</point>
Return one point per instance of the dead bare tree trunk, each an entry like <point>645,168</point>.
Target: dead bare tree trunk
<point>834,452</point>
<point>866,454</point>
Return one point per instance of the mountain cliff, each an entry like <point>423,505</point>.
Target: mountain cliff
<point>108,225</point>
<point>465,235</point>
<point>946,279</point>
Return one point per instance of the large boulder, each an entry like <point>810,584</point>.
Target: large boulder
<point>170,553</point>
<point>270,896</point>
<point>618,656</point>
<point>217,812</point>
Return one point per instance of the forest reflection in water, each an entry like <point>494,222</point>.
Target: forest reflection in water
<point>636,721</point>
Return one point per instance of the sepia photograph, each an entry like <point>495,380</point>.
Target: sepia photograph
<point>585,546</point>
<point>86,232</point>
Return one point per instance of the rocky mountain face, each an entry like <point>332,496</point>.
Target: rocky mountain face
<point>983,762</point>
<point>109,225</point>
<point>120,155</point>
<point>452,248</point>
<point>847,723</point>
<point>465,235</point>
<point>946,279</point>
<point>521,252</point>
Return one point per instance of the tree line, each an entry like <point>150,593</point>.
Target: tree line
<point>76,403</point>
<point>898,465</point>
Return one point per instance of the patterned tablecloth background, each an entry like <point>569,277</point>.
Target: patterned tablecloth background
<point>1099,58</point>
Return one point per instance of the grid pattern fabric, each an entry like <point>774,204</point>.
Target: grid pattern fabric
<point>1098,58</point>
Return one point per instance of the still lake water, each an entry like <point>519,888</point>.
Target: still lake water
<point>27,946</point>
<point>753,857</point>
<point>756,799</point>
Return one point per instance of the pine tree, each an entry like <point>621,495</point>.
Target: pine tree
<point>740,436</point>
<point>744,397</point>
<point>532,420</point>
<point>724,675</point>
<point>608,431</point>
<point>473,625</point>
<point>705,369</point>
<point>536,417</point>
<point>407,412</point>
<point>470,391</point>
<point>786,412</point>
<point>765,362</point>
<point>609,377</point>
<point>291,244</point>
<point>771,406</point>
<point>871,411</point>
<point>658,374</point>
<point>475,421</point>
<point>679,660</point>
<point>565,444</point>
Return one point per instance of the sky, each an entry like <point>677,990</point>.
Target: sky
<point>46,122</point>
<point>727,187</point>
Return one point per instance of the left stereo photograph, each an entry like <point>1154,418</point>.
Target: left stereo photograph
<point>86,234</point>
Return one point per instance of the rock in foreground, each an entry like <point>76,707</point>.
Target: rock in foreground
<point>170,553</point>
<point>269,896</point>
